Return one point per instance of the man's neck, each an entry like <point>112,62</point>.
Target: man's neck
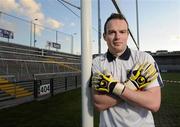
<point>118,53</point>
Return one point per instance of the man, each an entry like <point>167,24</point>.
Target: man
<point>125,84</point>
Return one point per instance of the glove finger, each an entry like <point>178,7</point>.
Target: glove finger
<point>133,74</point>
<point>93,85</point>
<point>96,87</point>
<point>96,74</point>
<point>145,68</point>
<point>106,73</point>
<point>99,87</point>
<point>95,82</point>
<point>136,67</point>
<point>153,77</point>
<point>96,77</point>
<point>136,71</point>
<point>151,70</point>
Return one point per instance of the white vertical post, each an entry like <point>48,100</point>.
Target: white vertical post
<point>99,28</point>
<point>87,107</point>
<point>137,19</point>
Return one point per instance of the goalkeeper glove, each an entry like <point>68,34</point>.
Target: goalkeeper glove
<point>141,76</point>
<point>105,84</point>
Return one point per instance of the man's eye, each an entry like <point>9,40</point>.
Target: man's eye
<point>123,31</point>
<point>111,32</point>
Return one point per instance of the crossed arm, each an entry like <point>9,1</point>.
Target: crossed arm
<point>104,101</point>
<point>149,99</point>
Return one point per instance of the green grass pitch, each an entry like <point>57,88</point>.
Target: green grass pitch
<point>64,110</point>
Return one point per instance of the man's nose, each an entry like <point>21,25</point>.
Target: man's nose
<point>117,35</point>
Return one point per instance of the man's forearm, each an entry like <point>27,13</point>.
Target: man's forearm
<point>149,99</point>
<point>104,101</point>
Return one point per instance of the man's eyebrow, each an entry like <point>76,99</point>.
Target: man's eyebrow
<point>117,30</point>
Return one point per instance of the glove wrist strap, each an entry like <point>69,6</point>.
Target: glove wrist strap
<point>118,89</point>
<point>129,84</point>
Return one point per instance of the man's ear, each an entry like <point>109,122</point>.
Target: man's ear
<point>104,36</point>
<point>128,31</point>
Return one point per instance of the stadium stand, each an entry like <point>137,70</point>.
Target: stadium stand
<point>29,60</point>
<point>21,66</point>
<point>168,61</point>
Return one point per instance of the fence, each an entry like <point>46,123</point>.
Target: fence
<point>43,86</point>
<point>32,34</point>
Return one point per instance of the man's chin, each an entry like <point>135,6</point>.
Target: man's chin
<point>118,49</point>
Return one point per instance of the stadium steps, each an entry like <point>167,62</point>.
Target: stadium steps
<point>13,89</point>
<point>64,65</point>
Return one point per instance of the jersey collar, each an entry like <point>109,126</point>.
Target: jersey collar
<point>124,56</point>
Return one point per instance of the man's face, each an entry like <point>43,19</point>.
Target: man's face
<point>116,35</point>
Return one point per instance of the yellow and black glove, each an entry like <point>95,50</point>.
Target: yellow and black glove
<point>104,83</point>
<point>141,76</point>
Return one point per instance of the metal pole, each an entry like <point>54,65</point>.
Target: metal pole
<point>87,107</point>
<point>71,4</point>
<point>137,18</point>
<point>34,34</point>
<point>31,34</point>
<point>99,28</point>
<point>56,36</point>
<point>72,43</point>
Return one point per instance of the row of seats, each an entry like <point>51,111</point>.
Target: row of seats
<point>24,62</point>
